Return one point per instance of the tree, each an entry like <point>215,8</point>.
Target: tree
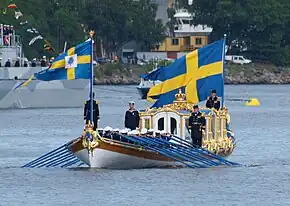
<point>260,26</point>
<point>56,21</point>
<point>115,22</point>
<point>119,21</point>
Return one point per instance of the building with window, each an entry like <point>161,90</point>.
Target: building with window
<point>186,37</point>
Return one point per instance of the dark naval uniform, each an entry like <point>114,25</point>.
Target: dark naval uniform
<point>17,64</point>
<point>96,112</point>
<point>213,102</point>
<point>196,122</point>
<point>132,119</point>
<point>8,64</point>
<point>43,63</point>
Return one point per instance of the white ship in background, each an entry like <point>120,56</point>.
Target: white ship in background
<point>38,94</point>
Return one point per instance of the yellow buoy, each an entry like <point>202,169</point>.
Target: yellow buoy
<point>253,102</point>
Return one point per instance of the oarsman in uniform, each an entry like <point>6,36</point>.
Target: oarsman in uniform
<point>100,131</point>
<point>96,112</point>
<point>108,132</point>
<point>33,63</point>
<point>143,132</point>
<point>17,63</point>
<point>158,134</point>
<point>43,62</point>
<point>8,63</point>
<point>132,117</point>
<point>51,60</point>
<point>25,64</point>
<point>150,132</point>
<point>116,134</point>
<point>196,124</point>
<point>213,101</point>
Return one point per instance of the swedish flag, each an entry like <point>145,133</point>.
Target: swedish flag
<point>195,74</point>
<point>73,64</point>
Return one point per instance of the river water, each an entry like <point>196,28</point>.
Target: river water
<point>262,147</point>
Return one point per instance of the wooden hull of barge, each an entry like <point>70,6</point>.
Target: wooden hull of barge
<point>114,155</point>
<point>111,154</point>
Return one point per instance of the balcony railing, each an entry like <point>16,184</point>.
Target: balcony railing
<point>190,47</point>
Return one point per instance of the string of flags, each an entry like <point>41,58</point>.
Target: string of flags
<point>47,46</point>
<point>34,39</point>
<point>18,14</point>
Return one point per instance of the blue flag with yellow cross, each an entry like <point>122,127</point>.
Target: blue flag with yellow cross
<point>73,64</point>
<point>196,74</point>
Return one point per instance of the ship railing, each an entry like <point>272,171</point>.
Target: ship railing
<point>10,42</point>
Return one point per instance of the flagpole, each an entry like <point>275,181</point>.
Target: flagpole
<point>91,79</point>
<point>223,58</point>
<point>64,48</point>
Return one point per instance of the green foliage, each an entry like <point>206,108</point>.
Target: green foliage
<point>261,26</point>
<point>115,22</point>
<point>164,62</point>
<point>111,69</point>
<point>120,21</point>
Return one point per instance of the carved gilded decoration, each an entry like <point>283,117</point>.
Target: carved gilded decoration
<point>90,138</point>
<point>214,136</point>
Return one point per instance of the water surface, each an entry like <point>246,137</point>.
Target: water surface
<point>263,147</point>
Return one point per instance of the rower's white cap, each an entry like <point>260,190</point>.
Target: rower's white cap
<point>150,130</point>
<point>131,102</point>
<point>143,131</point>
<point>9,58</point>
<point>123,131</point>
<point>162,132</point>
<point>34,59</point>
<point>107,128</point>
<point>127,129</point>
<point>116,130</point>
<point>18,57</point>
<point>135,132</point>
<point>44,57</point>
<point>158,131</point>
<point>100,129</point>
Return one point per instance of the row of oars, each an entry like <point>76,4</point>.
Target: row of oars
<point>60,157</point>
<point>181,151</point>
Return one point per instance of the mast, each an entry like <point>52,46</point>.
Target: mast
<point>223,59</point>
<point>64,47</point>
<point>91,79</point>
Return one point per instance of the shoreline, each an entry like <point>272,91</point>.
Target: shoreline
<point>136,84</point>
<point>253,74</point>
